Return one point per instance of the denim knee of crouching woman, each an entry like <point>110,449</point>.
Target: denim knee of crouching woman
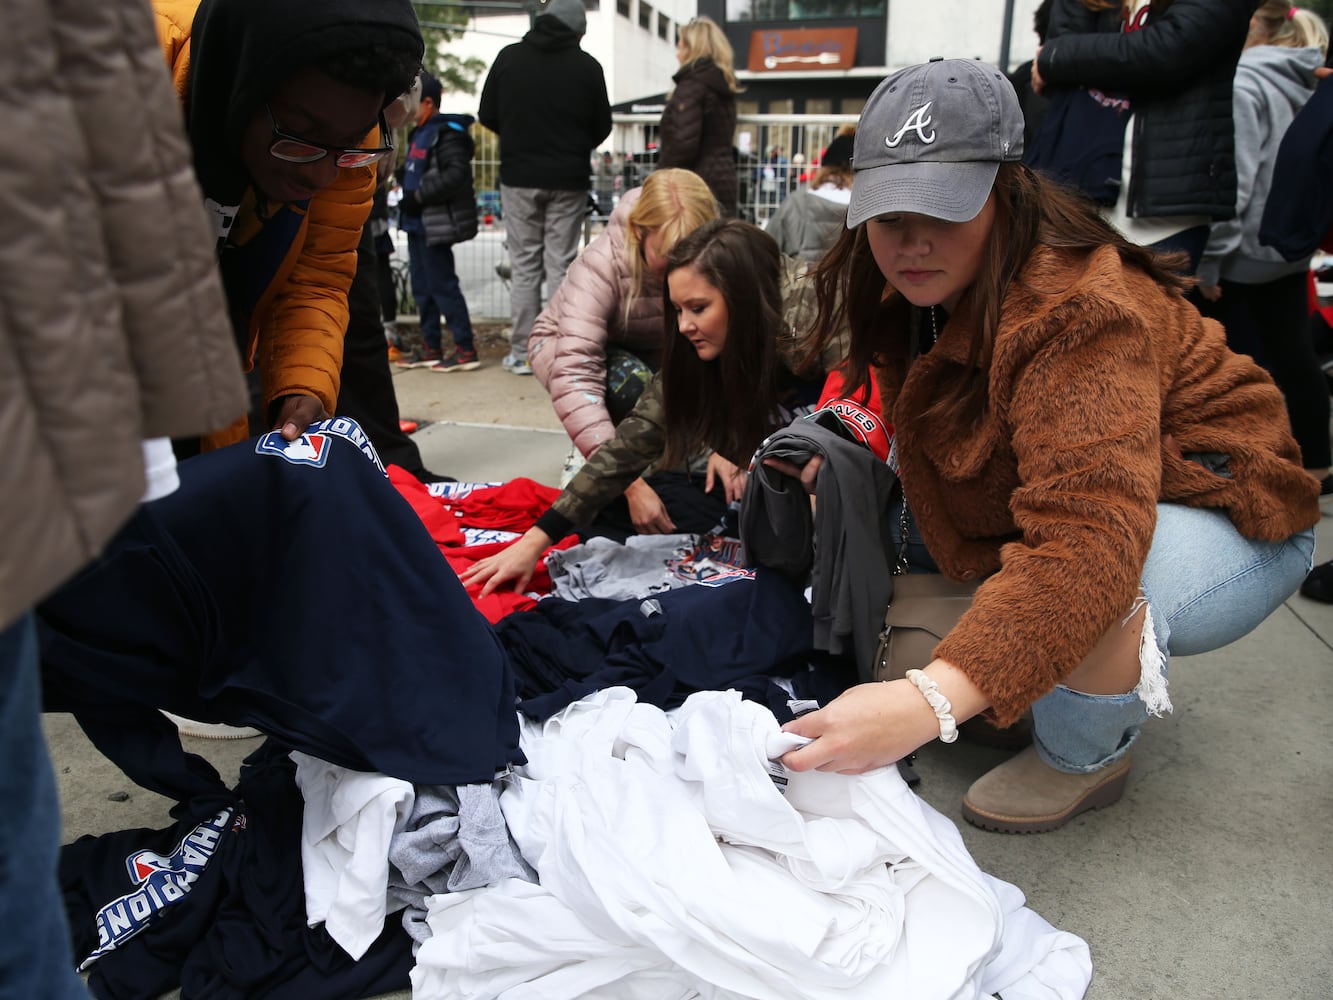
<point>1208,585</point>
<point>1205,585</point>
<point>1079,733</point>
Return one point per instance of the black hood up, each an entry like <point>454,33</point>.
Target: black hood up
<point>549,32</point>
<point>242,50</point>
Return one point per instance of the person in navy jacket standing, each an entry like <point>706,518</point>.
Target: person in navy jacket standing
<point>439,209</point>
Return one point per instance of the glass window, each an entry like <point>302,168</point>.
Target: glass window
<point>592,5</point>
<point>663,27</point>
<point>645,16</point>
<point>622,8</point>
<point>802,10</point>
<point>851,105</point>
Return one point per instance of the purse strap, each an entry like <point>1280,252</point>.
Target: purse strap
<point>904,527</point>
<point>924,332</point>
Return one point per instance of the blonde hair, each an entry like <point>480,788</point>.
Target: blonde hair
<point>672,203</point>
<point>701,38</point>
<point>1280,23</point>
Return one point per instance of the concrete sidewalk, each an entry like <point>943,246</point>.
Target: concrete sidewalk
<point>1209,880</point>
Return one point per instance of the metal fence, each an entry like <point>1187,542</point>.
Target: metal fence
<point>763,181</point>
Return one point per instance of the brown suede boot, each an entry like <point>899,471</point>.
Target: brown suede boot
<point>1023,795</point>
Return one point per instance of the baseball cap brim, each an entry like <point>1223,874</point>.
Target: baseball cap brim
<point>954,192</point>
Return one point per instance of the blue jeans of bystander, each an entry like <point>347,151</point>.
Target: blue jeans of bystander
<point>35,962</point>
<point>437,293</point>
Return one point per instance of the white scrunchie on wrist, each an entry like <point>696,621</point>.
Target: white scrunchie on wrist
<point>938,703</point>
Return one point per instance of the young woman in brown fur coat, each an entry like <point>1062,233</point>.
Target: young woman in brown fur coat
<point>1068,430</point>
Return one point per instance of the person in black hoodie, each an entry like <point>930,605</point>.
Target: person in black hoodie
<point>699,121</point>
<point>546,99</point>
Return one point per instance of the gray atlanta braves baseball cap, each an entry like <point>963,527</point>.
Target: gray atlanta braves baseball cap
<point>931,139</point>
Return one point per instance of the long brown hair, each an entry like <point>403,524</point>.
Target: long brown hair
<point>1029,211</point>
<point>731,402</point>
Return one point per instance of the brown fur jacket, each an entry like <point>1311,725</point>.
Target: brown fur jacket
<point>1100,380</point>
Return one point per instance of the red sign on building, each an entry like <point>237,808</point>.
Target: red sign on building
<point>786,49</point>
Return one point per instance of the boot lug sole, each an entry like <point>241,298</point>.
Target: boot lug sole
<point>1104,794</point>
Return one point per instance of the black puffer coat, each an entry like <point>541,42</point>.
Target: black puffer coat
<point>698,127</point>
<point>448,200</point>
<point>1177,71</point>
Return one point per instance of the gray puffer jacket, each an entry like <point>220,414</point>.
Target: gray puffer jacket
<point>807,224</point>
<point>114,327</point>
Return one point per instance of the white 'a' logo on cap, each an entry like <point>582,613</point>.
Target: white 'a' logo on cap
<point>918,121</point>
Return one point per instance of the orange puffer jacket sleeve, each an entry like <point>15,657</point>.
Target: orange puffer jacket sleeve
<point>297,329</point>
<point>301,321</point>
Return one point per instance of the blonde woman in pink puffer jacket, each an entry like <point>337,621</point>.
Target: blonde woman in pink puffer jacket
<point>612,297</point>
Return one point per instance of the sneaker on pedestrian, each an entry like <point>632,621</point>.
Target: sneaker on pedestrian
<point>459,361</point>
<point>421,357</point>
<point>514,365</point>
<point>395,355</point>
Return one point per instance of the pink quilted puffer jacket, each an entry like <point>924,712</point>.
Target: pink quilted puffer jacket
<point>586,315</point>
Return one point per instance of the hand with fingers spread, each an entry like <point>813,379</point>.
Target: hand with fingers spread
<point>516,563</point>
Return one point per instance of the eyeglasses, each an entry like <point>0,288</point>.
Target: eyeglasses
<point>294,149</point>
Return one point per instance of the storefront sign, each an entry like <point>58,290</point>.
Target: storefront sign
<point>787,49</point>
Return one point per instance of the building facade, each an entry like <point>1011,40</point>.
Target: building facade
<point>798,57</point>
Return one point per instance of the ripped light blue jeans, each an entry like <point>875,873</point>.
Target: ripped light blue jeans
<point>1206,585</point>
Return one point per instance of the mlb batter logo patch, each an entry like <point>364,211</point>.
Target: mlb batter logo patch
<point>309,449</point>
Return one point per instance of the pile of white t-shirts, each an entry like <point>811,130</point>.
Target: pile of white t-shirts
<point>677,860</point>
<point>372,845</point>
